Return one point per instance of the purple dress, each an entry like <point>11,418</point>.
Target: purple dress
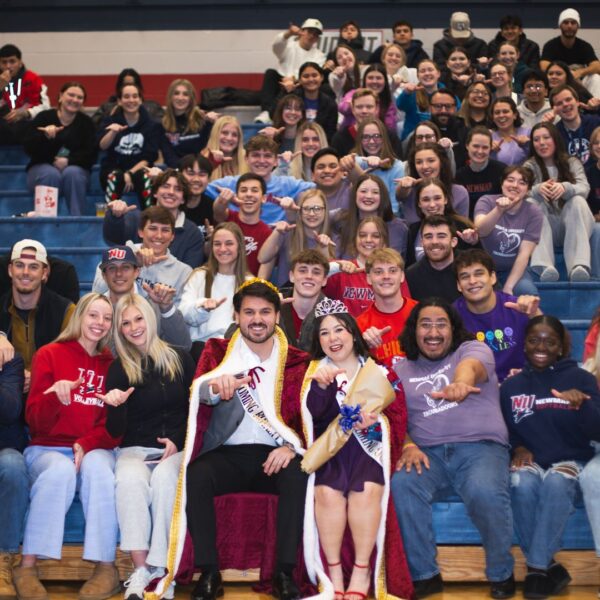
<point>351,467</point>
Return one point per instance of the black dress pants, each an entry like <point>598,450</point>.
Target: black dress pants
<point>231,469</point>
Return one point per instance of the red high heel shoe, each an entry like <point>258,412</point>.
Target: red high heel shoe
<point>337,595</point>
<point>360,595</point>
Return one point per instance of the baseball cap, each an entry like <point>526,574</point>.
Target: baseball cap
<point>23,249</point>
<point>312,24</point>
<point>569,13</point>
<point>118,254</point>
<point>460,25</point>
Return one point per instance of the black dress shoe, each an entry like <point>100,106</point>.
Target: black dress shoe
<point>284,587</point>
<point>503,589</point>
<point>537,586</point>
<point>426,587</point>
<point>559,578</point>
<point>209,586</point>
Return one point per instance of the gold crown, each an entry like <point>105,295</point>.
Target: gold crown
<point>258,280</point>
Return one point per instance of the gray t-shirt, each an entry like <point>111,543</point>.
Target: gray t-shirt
<point>504,241</point>
<point>432,422</point>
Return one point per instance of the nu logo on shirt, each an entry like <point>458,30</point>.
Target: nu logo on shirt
<point>522,406</point>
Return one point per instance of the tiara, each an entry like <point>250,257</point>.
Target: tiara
<point>330,307</point>
<point>258,280</point>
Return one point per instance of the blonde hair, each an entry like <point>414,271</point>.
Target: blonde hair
<point>73,329</point>
<point>238,165</point>
<point>211,268</point>
<point>165,359</point>
<point>297,164</point>
<point>298,237</point>
<point>195,120</point>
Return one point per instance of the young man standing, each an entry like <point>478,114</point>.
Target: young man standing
<point>495,318</point>
<point>261,156</point>
<point>383,322</point>
<point>432,275</point>
<point>249,197</point>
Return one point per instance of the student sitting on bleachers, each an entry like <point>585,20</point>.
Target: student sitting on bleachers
<point>225,149</point>
<point>170,190</point>
<point>61,144</point>
<point>23,96</point>
<point>158,264</point>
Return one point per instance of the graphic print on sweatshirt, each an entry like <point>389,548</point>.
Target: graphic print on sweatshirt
<point>524,405</point>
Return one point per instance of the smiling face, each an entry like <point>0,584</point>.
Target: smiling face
<point>432,200</point>
<point>371,140</point>
<point>197,179</point>
<point>261,162</point>
<point>511,33</point>
<point>27,274</point>
<point>133,327</point>
<point>180,99</point>
<point>157,236</point>
<point>257,319</point>
<point>250,194</point>
<point>96,322</point>
<point>556,76</point>
<point>535,91</point>
<point>433,333</point>
<point>458,62</point>
<point>229,138</point>
<point>368,238</point>
<point>327,173</point>
<point>120,277</point>
<point>424,133</point>
<point>344,58</point>
<point>428,74</point>
<point>130,100</point>
<point>170,194</point>
<point>427,163</point>
<point>312,212</point>
<point>503,116</point>
<point>442,107</point>
<point>291,114</point>
<point>543,144</point>
<point>565,105</point>
<point>476,284</point>
<point>438,244</point>
<point>375,81</point>
<point>335,339</point>
<point>72,99</point>
<point>308,280</point>
<point>368,197</point>
<point>385,279</point>
<point>543,346</point>
<point>479,97</point>
<point>311,79</point>
<point>499,75</point>
<point>309,143</point>
<point>392,59</point>
<point>364,107</point>
<point>225,248</point>
<point>479,148</point>
<point>515,187</point>
<point>508,55</point>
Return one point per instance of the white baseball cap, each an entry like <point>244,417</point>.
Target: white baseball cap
<point>29,249</point>
<point>313,24</point>
<point>460,25</point>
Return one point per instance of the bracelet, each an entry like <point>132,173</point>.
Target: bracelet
<point>408,445</point>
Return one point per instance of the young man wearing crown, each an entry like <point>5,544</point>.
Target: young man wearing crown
<point>244,435</point>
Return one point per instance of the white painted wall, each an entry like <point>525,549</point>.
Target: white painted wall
<point>158,52</point>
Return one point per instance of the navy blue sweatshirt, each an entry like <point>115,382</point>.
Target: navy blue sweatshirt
<point>134,144</point>
<point>12,430</point>
<point>174,145</point>
<point>545,425</point>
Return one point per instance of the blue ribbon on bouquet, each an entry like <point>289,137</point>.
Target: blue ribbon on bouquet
<point>348,416</point>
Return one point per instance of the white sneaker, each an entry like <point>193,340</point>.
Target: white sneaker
<point>549,274</point>
<point>264,118</point>
<point>169,593</point>
<point>136,584</point>
<point>579,273</point>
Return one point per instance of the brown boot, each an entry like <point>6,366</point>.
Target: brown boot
<point>28,584</point>
<point>103,583</point>
<point>7,589</point>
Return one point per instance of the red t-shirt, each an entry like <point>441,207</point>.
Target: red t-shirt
<point>255,236</point>
<point>390,351</point>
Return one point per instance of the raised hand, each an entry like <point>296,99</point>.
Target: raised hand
<point>161,293</point>
<point>225,385</point>
<point>349,267</point>
<point>119,207</point>
<point>455,392</point>
<point>209,304</point>
<point>63,389</point>
<point>282,227</point>
<point>286,203</point>
<point>325,375</point>
<point>272,132</point>
<point>115,397</point>
<point>573,396</point>
<point>526,304</point>
<point>324,240</point>
<point>219,157</point>
<point>288,156</point>
<point>50,131</point>
<point>407,182</point>
<point>225,195</point>
<point>146,257</point>
<point>116,127</point>
<point>469,236</point>
<point>373,336</point>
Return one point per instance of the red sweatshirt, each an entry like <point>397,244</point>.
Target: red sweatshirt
<point>54,424</point>
<point>25,90</point>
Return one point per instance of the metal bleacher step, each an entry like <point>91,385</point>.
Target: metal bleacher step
<point>567,300</point>
<point>16,202</point>
<point>73,232</point>
<point>14,177</point>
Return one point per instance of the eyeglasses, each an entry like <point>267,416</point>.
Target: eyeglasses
<point>429,325</point>
<point>442,106</point>
<point>534,86</point>
<point>316,210</point>
<point>478,93</point>
<point>374,137</point>
<point>425,136</point>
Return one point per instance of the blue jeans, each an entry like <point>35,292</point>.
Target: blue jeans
<point>14,499</point>
<point>478,472</point>
<point>542,501</point>
<point>525,285</point>
<point>589,480</point>
<point>72,183</point>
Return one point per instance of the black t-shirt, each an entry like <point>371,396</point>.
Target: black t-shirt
<point>593,175</point>
<point>481,183</point>
<point>581,53</point>
<point>424,281</point>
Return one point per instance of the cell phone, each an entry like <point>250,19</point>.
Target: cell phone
<point>153,458</point>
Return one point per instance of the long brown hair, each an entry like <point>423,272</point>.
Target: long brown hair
<point>386,150</point>
<point>561,158</point>
<point>195,120</point>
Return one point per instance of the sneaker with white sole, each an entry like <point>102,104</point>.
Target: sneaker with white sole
<point>579,274</point>
<point>549,274</point>
<point>169,593</point>
<point>136,584</point>
<point>263,118</point>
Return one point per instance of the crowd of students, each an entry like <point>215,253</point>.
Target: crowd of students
<point>391,224</point>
